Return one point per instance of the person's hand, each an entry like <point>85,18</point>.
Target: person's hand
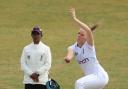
<point>36,80</point>
<point>72,11</point>
<point>67,60</point>
<point>34,77</point>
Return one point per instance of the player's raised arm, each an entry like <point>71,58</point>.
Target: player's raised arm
<point>83,26</point>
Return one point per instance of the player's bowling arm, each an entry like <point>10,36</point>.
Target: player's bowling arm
<point>83,26</point>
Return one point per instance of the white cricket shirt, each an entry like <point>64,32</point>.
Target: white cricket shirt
<point>86,58</point>
<point>36,58</point>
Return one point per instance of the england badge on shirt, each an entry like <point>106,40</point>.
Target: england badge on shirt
<point>76,53</point>
<point>28,56</point>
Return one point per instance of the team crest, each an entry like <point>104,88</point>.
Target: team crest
<point>76,53</point>
<point>28,56</point>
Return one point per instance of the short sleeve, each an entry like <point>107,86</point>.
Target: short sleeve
<point>71,47</point>
<point>89,46</point>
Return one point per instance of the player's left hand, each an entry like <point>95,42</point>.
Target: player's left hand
<point>67,60</point>
<point>34,77</point>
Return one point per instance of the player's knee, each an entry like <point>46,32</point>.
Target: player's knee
<point>104,83</point>
<point>107,80</point>
<point>78,83</point>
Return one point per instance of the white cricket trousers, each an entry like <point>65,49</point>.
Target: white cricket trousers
<point>92,81</point>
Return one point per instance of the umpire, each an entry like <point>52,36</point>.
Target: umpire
<point>36,62</point>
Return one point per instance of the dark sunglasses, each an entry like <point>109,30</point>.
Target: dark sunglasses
<point>35,33</point>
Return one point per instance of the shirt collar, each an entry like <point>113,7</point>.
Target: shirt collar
<point>76,45</point>
<point>36,44</point>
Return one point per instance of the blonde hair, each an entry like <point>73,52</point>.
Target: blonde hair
<point>93,27</point>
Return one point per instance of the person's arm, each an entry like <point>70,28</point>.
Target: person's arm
<point>69,55</point>
<point>24,66</point>
<point>47,64</point>
<point>82,25</point>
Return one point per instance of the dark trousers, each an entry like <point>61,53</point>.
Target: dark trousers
<point>35,86</point>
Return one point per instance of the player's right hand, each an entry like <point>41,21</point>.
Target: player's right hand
<point>72,12</point>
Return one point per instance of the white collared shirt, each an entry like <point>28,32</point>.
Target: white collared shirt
<point>36,58</point>
<point>86,58</point>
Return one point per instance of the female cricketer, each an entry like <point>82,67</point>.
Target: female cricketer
<point>84,50</point>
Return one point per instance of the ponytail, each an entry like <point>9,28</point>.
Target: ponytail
<point>93,27</point>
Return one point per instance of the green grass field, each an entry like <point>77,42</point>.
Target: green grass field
<point>17,17</point>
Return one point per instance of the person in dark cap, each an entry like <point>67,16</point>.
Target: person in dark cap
<point>36,62</point>
<point>36,35</point>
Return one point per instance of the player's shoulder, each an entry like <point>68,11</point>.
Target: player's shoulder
<point>28,46</point>
<point>44,45</point>
<point>88,46</point>
<point>72,46</point>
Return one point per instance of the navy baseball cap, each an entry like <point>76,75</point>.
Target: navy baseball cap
<point>36,29</point>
